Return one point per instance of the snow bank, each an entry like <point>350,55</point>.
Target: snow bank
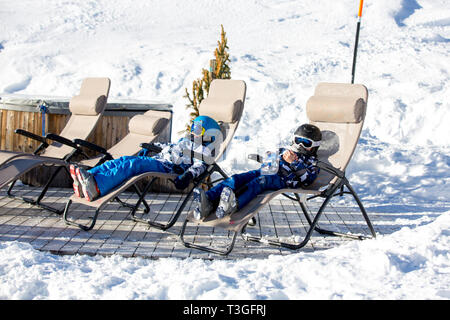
<point>412,263</point>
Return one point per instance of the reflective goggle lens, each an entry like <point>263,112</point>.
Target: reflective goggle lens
<point>307,143</point>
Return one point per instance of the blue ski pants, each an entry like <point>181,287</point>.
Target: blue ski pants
<point>112,173</point>
<point>247,186</point>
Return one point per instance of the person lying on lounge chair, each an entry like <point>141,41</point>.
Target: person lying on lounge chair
<point>295,167</point>
<point>172,158</point>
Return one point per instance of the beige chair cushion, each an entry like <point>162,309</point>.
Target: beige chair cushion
<point>95,87</point>
<point>87,105</point>
<point>338,109</point>
<point>92,98</point>
<point>227,88</point>
<point>225,101</point>
<point>335,109</point>
<point>147,125</point>
<point>341,90</point>
<point>221,109</point>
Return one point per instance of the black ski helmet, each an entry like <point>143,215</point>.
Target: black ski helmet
<point>308,131</point>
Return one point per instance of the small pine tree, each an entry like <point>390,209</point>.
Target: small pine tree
<point>200,87</point>
<point>222,70</point>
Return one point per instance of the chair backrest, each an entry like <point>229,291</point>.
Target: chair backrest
<point>339,110</point>
<point>225,104</point>
<point>147,127</point>
<point>86,109</point>
<point>142,128</point>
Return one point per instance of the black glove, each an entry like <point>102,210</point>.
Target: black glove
<point>182,181</point>
<point>177,169</point>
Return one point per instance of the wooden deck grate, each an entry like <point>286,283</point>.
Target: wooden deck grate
<point>116,233</point>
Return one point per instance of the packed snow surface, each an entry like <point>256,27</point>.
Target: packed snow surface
<point>153,50</point>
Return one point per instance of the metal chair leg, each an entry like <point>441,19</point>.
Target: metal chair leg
<point>37,201</point>
<point>73,223</point>
<point>292,246</point>
<point>141,200</point>
<point>335,233</point>
<point>175,217</point>
<point>361,207</point>
<point>225,252</point>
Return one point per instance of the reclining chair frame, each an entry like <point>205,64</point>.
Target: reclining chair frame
<point>63,165</point>
<point>336,187</point>
<point>97,88</point>
<point>327,194</point>
<point>106,156</point>
<point>214,167</point>
<point>142,127</point>
<point>211,168</point>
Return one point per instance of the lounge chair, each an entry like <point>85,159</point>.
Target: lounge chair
<point>225,104</point>
<point>339,111</point>
<point>144,129</point>
<point>86,110</point>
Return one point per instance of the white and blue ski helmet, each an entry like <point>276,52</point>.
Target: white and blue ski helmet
<point>201,124</point>
<point>205,126</point>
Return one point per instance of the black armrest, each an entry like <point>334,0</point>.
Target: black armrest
<point>62,140</point>
<point>91,146</point>
<point>32,136</point>
<point>255,157</point>
<point>330,169</point>
<point>151,147</point>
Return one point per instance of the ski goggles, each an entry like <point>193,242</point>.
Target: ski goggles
<point>305,142</point>
<point>197,128</point>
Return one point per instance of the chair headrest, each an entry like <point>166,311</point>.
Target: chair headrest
<point>221,109</point>
<point>335,109</point>
<point>92,98</point>
<point>337,103</point>
<point>87,105</point>
<point>95,87</point>
<point>147,125</point>
<point>225,100</point>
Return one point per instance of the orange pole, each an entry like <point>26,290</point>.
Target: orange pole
<point>360,8</point>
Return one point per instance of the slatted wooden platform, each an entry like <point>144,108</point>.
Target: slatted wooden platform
<point>116,233</point>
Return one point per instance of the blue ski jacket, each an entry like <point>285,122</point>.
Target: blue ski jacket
<point>299,173</point>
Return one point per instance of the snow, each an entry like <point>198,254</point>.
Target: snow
<point>153,50</point>
<point>412,263</point>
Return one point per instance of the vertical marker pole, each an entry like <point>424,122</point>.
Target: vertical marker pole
<point>357,38</point>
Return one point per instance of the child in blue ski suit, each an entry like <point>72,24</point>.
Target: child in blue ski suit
<point>173,158</point>
<point>297,167</point>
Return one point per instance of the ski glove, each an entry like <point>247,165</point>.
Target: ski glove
<point>182,181</point>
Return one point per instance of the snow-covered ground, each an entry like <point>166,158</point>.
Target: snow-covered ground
<point>153,50</point>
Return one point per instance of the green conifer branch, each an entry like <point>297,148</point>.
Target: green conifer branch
<point>200,87</point>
